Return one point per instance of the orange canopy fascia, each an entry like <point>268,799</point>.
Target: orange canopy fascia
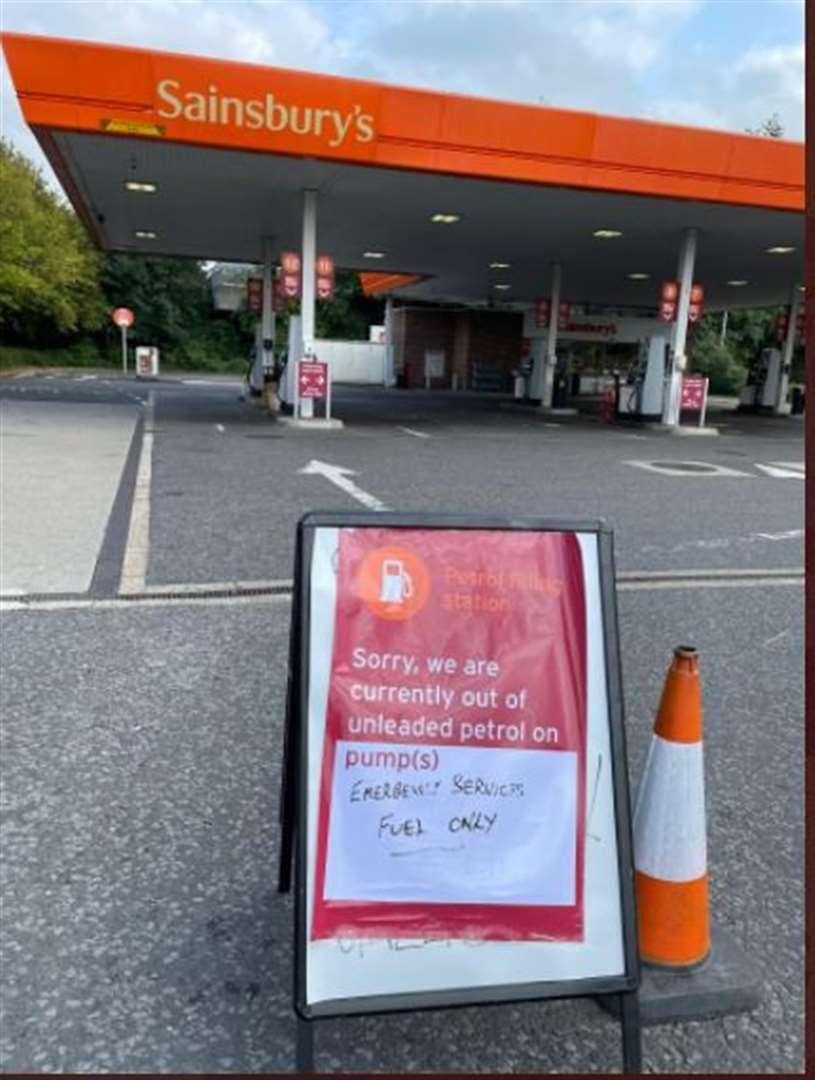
<point>84,87</point>
<point>374,283</point>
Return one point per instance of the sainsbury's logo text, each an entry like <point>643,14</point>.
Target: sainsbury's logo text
<point>214,108</point>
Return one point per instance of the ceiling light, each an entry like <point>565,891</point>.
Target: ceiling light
<point>637,276</point>
<point>779,250</point>
<point>373,254</point>
<point>141,185</point>
<point>145,234</point>
<point>803,288</point>
<point>499,266</point>
<point>501,286</point>
<point>445,219</point>
<point>738,282</point>
<point>606,234</point>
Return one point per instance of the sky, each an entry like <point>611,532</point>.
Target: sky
<point>711,63</point>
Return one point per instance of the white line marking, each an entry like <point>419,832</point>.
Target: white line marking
<point>112,604</point>
<point>219,586</point>
<point>783,470</point>
<point>791,534</point>
<point>84,378</point>
<point>709,583</point>
<point>134,567</point>
<point>340,476</point>
<point>412,431</point>
<point>713,572</point>
<point>777,637</point>
<point>664,468</point>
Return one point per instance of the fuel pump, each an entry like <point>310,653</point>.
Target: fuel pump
<point>763,382</point>
<point>641,394</point>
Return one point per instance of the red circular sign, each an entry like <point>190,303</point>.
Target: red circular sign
<point>123,316</point>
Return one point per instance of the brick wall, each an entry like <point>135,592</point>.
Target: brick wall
<point>490,338</point>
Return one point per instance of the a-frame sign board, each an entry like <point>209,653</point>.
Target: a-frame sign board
<point>454,768</point>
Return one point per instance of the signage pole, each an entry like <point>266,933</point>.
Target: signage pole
<point>124,350</point>
<point>703,413</point>
<point>328,389</point>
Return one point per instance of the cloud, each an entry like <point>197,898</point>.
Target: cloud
<point>760,82</point>
<point>609,56</point>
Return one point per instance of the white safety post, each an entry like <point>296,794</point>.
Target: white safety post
<point>267,314</point>
<point>308,296</point>
<point>780,407</point>
<point>703,412</point>
<point>551,338</point>
<point>328,389</point>
<point>124,350</point>
<point>684,273</point>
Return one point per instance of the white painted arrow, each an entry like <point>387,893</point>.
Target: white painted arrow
<point>341,477</point>
<point>783,470</point>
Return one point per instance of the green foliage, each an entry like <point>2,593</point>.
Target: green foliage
<point>49,274</point>
<point>716,361</point>
<point>348,316</point>
<point>82,353</point>
<point>172,302</point>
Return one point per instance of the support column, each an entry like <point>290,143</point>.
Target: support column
<point>264,356</point>
<point>388,378</point>
<point>679,361</point>
<point>780,407</point>
<point>308,293</point>
<point>548,382</point>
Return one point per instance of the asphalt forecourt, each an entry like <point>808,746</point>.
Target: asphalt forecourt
<point>152,702</point>
<point>142,929</point>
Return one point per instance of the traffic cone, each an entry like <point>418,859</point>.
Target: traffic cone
<point>670,850</point>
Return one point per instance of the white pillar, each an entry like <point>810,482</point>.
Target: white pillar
<point>684,274</point>
<point>550,356</point>
<point>781,407</point>
<point>387,374</point>
<point>307,297</point>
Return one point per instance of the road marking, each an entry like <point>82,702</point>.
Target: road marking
<point>220,427</point>
<point>340,476</point>
<point>412,431</point>
<point>250,592</point>
<point>791,534</point>
<point>710,583</point>
<point>84,378</point>
<point>713,572</point>
<point>783,470</point>
<point>134,564</point>
<point>685,468</point>
<point>119,604</point>
<point>776,637</point>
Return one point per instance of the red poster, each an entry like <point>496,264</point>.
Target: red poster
<point>452,790</point>
<point>254,294</point>
<point>564,311</point>
<point>312,379</point>
<point>542,313</point>
<point>781,324</point>
<point>290,262</point>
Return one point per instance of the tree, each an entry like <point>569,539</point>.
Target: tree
<point>172,302</point>
<point>49,273</point>
<point>350,313</point>
<point>771,127</point>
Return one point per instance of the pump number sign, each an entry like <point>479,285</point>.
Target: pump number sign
<point>461,789</point>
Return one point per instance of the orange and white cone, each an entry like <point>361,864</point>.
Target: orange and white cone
<point>670,849</point>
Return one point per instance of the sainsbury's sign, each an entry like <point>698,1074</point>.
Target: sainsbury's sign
<point>336,126</point>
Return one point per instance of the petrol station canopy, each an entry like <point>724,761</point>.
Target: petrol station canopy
<point>178,155</point>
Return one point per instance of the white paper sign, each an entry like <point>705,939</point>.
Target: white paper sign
<point>486,826</point>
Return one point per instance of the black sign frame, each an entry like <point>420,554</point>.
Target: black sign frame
<point>294,808</point>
